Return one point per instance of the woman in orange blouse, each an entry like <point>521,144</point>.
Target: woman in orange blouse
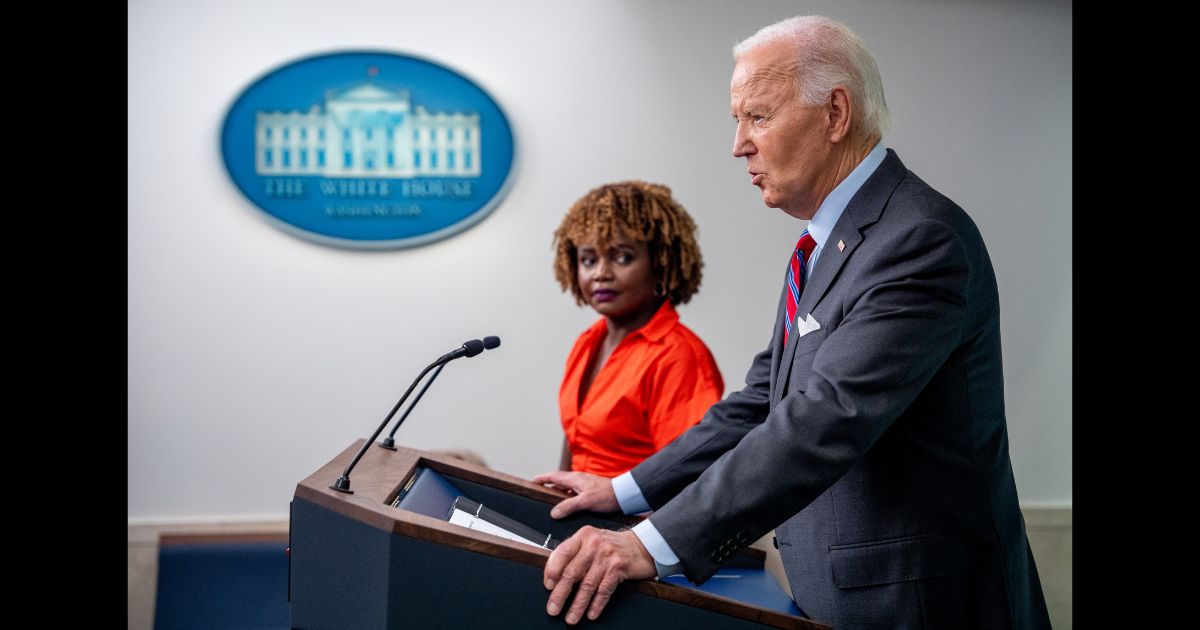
<point>637,378</point>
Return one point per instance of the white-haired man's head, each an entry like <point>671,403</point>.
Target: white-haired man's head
<point>828,54</point>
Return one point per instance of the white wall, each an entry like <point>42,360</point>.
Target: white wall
<point>255,357</point>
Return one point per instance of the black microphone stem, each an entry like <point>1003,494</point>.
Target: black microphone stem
<point>343,483</point>
<point>390,443</point>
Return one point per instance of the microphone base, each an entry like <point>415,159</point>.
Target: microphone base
<point>388,443</point>
<point>342,485</point>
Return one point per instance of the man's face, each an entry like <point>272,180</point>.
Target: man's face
<point>785,143</point>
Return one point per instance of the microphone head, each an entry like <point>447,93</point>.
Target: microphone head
<point>491,342</point>
<point>473,347</point>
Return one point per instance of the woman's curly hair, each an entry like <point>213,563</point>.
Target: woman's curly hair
<point>644,212</point>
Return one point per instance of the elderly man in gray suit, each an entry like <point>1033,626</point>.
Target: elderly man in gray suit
<point>871,432</point>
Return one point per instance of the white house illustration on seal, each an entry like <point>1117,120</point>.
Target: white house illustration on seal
<point>367,130</point>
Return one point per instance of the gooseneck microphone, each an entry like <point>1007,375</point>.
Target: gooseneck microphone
<point>389,442</point>
<point>488,343</point>
<point>468,349</point>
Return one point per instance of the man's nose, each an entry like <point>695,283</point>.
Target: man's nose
<point>741,144</point>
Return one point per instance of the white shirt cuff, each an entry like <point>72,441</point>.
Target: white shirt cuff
<point>629,495</point>
<point>665,561</point>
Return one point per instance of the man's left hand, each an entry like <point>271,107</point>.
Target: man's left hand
<point>592,492</point>
<point>598,560</point>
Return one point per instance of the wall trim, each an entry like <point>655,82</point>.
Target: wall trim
<point>1047,515</point>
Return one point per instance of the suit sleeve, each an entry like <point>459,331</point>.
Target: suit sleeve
<point>903,315</point>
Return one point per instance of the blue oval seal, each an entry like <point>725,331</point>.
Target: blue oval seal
<point>368,149</point>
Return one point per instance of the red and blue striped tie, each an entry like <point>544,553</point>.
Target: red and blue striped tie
<point>795,280</point>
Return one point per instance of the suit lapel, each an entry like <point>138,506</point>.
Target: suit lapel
<point>828,265</point>
<point>863,210</point>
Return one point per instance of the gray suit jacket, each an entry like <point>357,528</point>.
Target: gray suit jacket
<point>876,444</point>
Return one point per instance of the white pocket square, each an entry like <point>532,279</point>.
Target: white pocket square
<point>805,326</point>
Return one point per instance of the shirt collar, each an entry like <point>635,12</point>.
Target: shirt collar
<point>821,225</point>
<point>660,324</point>
<point>664,319</point>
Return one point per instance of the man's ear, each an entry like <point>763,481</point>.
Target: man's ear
<point>840,112</point>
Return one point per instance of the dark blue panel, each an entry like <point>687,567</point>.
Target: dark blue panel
<point>752,586</point>
<point>222,585</point>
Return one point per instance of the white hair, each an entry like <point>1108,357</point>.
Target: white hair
<point>828,54</point>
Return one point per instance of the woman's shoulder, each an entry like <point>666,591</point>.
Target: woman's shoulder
<point>681,341</point>
<point>681,351</point>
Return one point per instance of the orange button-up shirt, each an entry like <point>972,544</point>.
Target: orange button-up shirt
<point>656,384</point>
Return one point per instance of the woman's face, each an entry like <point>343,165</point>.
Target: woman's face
<point>616,278</point>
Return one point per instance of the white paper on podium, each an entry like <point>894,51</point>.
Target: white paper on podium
<point>468,520</point>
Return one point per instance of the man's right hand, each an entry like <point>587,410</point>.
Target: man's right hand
<point>592,492</point>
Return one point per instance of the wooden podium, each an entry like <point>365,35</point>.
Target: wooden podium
<point>357,562</point>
